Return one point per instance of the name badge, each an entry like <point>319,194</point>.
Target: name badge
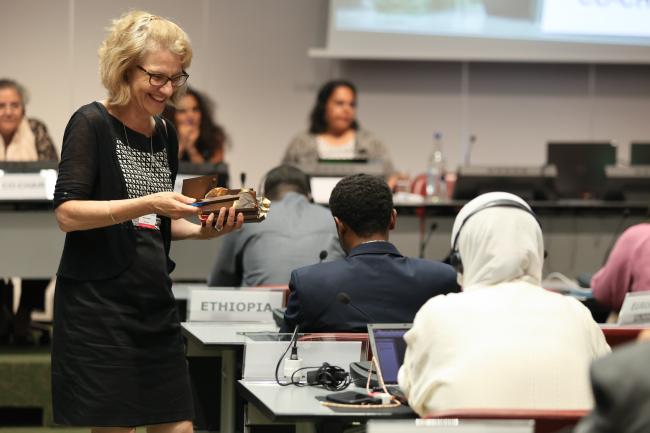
<point>635,309</point>
<point>149,221</point>
<point>233,305</point>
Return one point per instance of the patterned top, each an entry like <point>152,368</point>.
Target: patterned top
<point>143,162</point>
<point>90,170</point>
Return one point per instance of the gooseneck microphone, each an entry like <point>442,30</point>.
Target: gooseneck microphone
<point>345,299</point>
<point>322,256</point>
<point>425,241</point>
<point>468,150</point>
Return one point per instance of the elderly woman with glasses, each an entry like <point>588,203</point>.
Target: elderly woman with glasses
<point>117,357</point>
<point>21,139</point>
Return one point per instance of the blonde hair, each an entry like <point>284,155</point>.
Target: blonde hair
<point>130,38</point>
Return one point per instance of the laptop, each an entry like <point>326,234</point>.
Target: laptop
<point>580,167</point>
<point>388,348</point>
<point>321,187</point>
<point>639,153</point>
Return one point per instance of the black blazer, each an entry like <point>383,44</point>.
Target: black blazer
<point>88,156</point>
<point>387,286</point>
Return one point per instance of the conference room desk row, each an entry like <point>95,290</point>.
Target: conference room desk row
<point>269,403</point>
<point>577,236</point>
<point>217,349</point>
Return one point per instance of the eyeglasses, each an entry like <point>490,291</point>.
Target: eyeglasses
<point>159,80</point>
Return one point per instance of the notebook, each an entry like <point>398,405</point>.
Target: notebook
<point>388,347</point>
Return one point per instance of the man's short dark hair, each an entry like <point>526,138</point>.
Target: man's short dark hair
<point>285,176</point>
<point>363,202</point>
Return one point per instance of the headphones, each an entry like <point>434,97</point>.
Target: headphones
<point>330,377</point>
<point>454,255</point>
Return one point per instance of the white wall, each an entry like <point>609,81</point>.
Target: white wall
<point>251,57</point>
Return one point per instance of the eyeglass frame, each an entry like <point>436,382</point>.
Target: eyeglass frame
<point>167,78</point>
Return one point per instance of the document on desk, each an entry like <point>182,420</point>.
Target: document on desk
<point>635,309</point>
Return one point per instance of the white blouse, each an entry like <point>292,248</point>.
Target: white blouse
<point>336,151</point>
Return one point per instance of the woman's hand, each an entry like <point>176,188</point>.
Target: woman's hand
<point>188,134</point>
<point>225,222</point>
<point>173,205</point>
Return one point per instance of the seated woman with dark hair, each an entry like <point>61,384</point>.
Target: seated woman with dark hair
<point>334,132</point>
<point>200,138</point>
<point>21,139</point>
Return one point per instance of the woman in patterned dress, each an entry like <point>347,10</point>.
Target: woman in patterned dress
<point>118,358</point>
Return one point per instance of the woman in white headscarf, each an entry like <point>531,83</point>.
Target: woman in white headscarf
<point>504,342</point>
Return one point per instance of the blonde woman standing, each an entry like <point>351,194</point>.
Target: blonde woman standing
<point>117,357</point>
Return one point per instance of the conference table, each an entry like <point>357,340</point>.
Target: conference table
<point>224,340</point>
<point>269,403</point>
<point>577,236</point>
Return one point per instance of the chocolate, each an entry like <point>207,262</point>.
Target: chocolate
<point>211,199</point>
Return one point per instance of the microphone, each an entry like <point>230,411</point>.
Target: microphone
<point>292,364</point>
<point>425,241</point>
<point>322,256</point>
<point>315,324</point>
<point>345,299</point>
<point>242,179</point>
<point>468,150</point>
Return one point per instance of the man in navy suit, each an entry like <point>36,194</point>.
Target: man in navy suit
<point>386,286</point>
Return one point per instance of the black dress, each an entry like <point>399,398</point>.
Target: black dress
<point>118,356</point>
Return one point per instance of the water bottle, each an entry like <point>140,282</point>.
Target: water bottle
<point>435,188</point>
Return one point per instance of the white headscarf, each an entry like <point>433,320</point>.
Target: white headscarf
<point>498,244</point>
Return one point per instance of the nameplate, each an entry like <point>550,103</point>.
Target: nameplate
<point>233,305</point>
<point>635,309</point>
<point>28,186</point>
<point>452,425</point>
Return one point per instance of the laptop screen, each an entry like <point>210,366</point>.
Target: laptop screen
<point>640,154</point>
<point>580,168</point>
<point>389,348</point>
<point>321,188</point>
